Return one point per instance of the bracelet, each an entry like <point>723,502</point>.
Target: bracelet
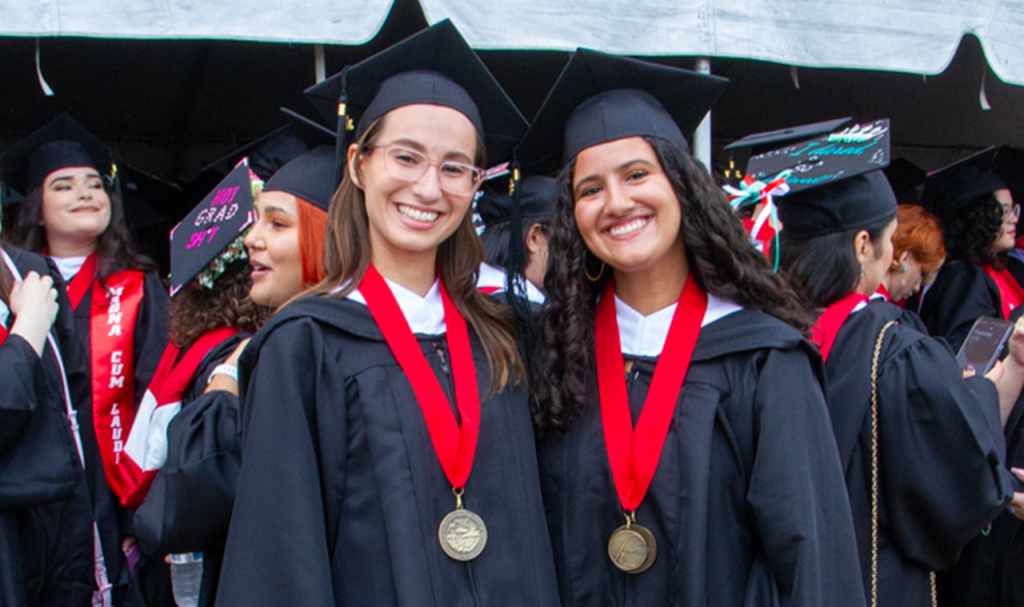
<point>225,370</point>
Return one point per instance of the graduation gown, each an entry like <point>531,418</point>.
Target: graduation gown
<point>747,504</point>
<point>1014,262</point>
<point>940,445</point>
<point>961,294</point>
<point>149,337</point>
<point>340,492</point>
<point>46,539</point>
<point>189,504</point>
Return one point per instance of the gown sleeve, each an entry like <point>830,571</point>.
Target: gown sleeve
<point>277,549</point>
<point>959,296</point>
<point>940,454</point>
<point>796,490</point>
<point>189,505</point>
<point>21,368</point>
<point>150,332</point>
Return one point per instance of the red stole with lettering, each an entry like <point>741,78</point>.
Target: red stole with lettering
<point>1010,293</point>
<point>114,308</point>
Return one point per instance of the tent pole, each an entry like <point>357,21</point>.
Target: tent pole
<point>702,136</point>
<point>321,67</point>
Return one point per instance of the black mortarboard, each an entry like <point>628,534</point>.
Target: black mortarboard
<point>266,153</point>
<point>600,98</point>
<point>854,150</point>
<point>309,177</point>
<point>858,202</point>
<point>536,199</point>
<point>951,188</point>
<point>310,132</point>
<point>434,66</point>
<point>827,196</point>
<point>211,227</point>
<point>905,177</point>
<point>61,143</point>
<point>770,140</point>
<point>1009,166</point>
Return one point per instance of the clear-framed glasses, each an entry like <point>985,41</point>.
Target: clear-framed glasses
<point>1011,212</point>
<point>409,165</point>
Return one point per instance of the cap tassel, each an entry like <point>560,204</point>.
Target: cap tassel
<point>341,135</point>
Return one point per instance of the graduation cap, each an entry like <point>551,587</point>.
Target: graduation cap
<point>1009,166</point>
<point>953,187</point>
<point>309,177</point>
<point>848,195</point>
<point>600,98</point>
<point>905,177</point>
<point>61,143</point>
<point>208,234</point>
<point>759,143</point>
<point>536,199</point>
<point>852,151</point>
<point>434,66</point>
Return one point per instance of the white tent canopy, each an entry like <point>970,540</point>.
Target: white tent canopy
<point>913,36</point>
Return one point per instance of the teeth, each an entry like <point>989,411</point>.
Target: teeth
<point>632,226</point>
<point>424,216</point>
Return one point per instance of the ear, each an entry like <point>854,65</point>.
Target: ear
<point>863,248</point>
<point>355,164</point>
<point>535,238</point>
<point>905,257</point>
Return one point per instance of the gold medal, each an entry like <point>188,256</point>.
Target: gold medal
<point>462,533</point>
<point>632,547</point>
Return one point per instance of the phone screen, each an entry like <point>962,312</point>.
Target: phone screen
<point>984,344</point>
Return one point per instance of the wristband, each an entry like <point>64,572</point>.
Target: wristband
<point>225,370</point>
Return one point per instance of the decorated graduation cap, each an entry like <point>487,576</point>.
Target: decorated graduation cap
<point>905,177</point>
<point>759,143</point>
<point>954,187</point>
<point>600,98</point>
<point>536,199</point>
<point>61,143</point>
<point>833,197</point>
<point>210,237</point>
<point>434,66</point>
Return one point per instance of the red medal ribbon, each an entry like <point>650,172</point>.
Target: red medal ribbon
<point>1010,293</point>
<point>171,379</point>
<point>829,323</point>
<point>634,455</point>
<point>81,281</point>
<point>115,306</point>
<point>455,445</point>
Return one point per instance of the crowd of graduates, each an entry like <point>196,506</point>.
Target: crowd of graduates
<point>438,355</point>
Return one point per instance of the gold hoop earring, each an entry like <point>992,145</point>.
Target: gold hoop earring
<point>587,273</point>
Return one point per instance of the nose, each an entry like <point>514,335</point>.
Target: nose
<point>619,201</point>
<point>428,187</point>
<point>254,239</point>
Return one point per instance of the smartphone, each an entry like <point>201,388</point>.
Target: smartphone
<point>984,344</point>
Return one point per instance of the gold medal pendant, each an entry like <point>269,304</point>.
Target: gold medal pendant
<point>632,547</point>
<point>462,533</point>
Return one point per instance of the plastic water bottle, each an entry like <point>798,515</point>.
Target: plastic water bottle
<point>186,578</point>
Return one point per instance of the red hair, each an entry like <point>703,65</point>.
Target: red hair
<point>312,225</point>
<point>919,233</point>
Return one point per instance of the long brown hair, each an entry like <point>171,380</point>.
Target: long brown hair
<point>114,247</point>
<point>347,256</point>
<point>6,283</point>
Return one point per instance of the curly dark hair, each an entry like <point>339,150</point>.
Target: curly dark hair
<point>718,253</point>
<point>824,268</point>
<point>114,246</point>
<point>970,231</point>
<point>496,238</point>
<point>196,310</point>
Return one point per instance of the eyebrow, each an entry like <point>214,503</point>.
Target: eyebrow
<point>273,209</point>
<point>617,169</point>
<point>419,147</point>
<point>70,177</point>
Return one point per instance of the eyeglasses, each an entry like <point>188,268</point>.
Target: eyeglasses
<point>1011,212</point>
<point>409,165</point>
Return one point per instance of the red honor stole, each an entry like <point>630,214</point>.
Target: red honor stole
<point>883,292</point>
<point>634,455</point>
<point>455,445</point>
<point>1010,293</point>
<point>114,308</point>
<point>832,319</point>
<point>171,379</point>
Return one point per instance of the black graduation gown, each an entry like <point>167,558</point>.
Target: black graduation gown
<point>189,504</point>
<point>45,520</point>
<point>149,340</point>
<point>747,505</point>
<point>940,450</point>
<point>340,493</point>
<point>1016,268</point>
<point>988,573</point>
<point>961,294</point>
